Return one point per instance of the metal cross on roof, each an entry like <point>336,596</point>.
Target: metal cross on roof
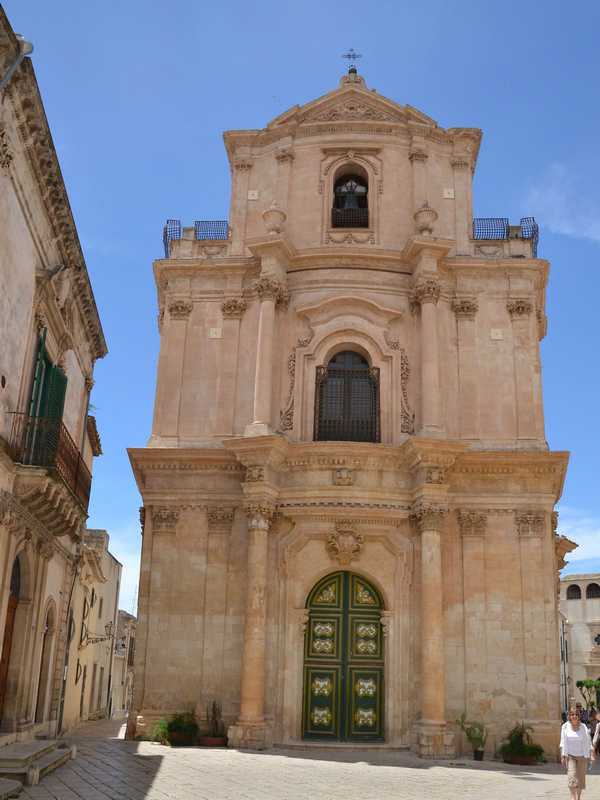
<point>351,56</point>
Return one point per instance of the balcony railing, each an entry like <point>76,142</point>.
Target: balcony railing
<point>45,442</point>
<point>499,228</point>
<point>349,217</point>
<point>203,229</point>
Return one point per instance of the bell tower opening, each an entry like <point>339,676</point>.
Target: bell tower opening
<point>350,200</point>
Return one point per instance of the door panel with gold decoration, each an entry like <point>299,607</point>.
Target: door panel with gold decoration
<point>343,661</point>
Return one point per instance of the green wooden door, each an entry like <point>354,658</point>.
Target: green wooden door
<point>343,661</point>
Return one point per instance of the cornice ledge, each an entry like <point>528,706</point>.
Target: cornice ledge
<point>428,245</point>
<point>279,246</point>
<point>372,258</point>
<point>432,453</point>
<point>251,451</point>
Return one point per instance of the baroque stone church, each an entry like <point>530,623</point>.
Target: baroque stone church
<point>348,525</point>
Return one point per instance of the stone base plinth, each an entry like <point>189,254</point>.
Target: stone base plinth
<point>250,737</point>
<point>435,741</point>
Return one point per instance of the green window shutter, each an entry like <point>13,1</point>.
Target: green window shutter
<point>39,376</point>
<point>57,393</point>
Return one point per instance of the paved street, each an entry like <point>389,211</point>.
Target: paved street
<point>108,767</point>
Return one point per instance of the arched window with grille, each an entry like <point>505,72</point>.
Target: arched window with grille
<point>574,592</point>
<point>350,202</point>
<point>592,591</point>
<point>347,400</point>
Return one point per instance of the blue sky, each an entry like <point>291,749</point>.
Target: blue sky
<point>138,94</point>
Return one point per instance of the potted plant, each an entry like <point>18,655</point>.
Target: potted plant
<point>476,733</point>
<point>182,729</point>
<point>216,736</point>
<point>519,747</point>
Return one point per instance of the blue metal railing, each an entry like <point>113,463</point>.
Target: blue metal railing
<point>499,228</point>
<point>203,229</point>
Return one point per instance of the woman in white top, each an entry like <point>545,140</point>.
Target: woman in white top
<point>575,749</point>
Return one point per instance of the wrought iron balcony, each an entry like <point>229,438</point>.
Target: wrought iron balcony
<point>349,217</point>
<point>499,228</point>
<point>45,442</point>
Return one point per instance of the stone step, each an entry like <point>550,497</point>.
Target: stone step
<point>30,771</point>
<point>20,754</point>
<point>9,788</point>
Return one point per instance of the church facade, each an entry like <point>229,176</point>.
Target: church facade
<point>348,525</point>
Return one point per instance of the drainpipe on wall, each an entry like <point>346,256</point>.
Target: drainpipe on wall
<point>25,49</point>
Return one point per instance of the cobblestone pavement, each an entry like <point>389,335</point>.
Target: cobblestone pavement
<point>108,767</point>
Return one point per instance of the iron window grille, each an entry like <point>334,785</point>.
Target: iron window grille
<point>347,400</point>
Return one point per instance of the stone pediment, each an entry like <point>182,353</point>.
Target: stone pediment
<point>352,102</point>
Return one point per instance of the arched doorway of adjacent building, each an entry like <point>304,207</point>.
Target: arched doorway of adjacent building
<point>13,601</point>
<point>343,694</point>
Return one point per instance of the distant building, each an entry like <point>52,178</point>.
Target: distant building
<point>579,605</point>
<point>122,693</point>
<point>348,494</point>
<point>50,339</point>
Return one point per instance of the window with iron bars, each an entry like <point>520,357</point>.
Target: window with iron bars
<point>347,400</point>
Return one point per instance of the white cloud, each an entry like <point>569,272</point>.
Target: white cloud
<point>564,203</point>
<point>581,528</point>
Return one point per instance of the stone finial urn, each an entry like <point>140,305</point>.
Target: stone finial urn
<point>274,218</point>
<point>425,218</point>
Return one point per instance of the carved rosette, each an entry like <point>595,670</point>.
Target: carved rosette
<point>426,290</point>
<point>255,473</point>
<point>465,307</point>
<point>529,523</point>
<point>519,308</point>
<point>233,308</point>
<point>269,288</point>
<point>435,475</point>
<point>471,523</point>
<point>180,309</point>
<point>342,476</point>
<point>164,519</point>
<point>428,516</point>
<point>220,519</point>
<point>345,543</point>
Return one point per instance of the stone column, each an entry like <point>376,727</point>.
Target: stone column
<point>433,738</point>
<point>232,309</point>
<point>426,294</point>
<point>170,367</point>
<point>418,159</point>
<point>250,730</point>
<point>472,525</point>
<point>465,309</point>
<point>527,371</point>
<point>463,202</point>
<point>271,292</point>
<point>239,203</point>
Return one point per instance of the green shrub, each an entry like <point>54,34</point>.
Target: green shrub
<point>160,732</point>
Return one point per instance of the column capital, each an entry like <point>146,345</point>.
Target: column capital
<point>260,513</point>
<point>164,519</point>
<point>465,307</point>
<point>180,309</point>
<point>530,523</point>
<point>471,522</point>
<point>270,288</point>
<point>425,290</point>
<point>233,307</point>
<point>428,516</point>
<point>220,518</point>
<point>519,307</point>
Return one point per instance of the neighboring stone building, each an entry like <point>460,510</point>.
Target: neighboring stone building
<point>91,632</point>
<point>50,337</point>
<point>348,495</point>
<point>122,693</point>
<point>579,604</point>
